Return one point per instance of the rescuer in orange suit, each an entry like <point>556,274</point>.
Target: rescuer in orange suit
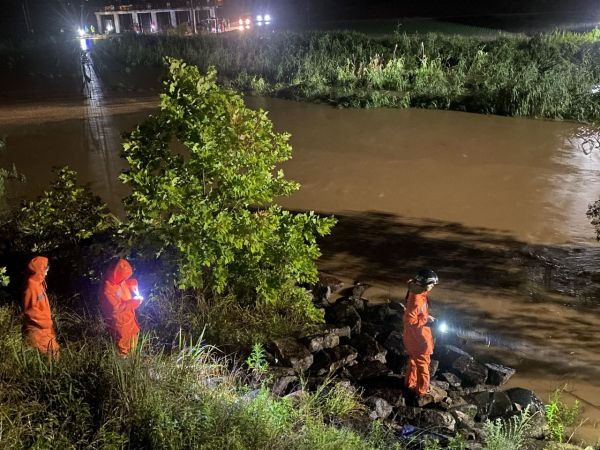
<point>417,337</point>
<point>119,298</point>
<point>38,328</point>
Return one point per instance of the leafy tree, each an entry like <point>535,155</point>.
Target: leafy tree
<point>68,223</point>
<point>5,174</point>
<point>203,180</point>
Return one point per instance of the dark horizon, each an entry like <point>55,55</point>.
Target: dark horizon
<point>50,15</point>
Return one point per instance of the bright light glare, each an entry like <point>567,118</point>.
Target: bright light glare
<point>443,327</point>
<point>247,21</point>
<point>241,22</point>
<point>267,17</point>
<point>83,44</point>
<point>80,32</point>
<point>247,27</point>
<point>109,27</point>
<point>259,18</point>
<point>259,24</point>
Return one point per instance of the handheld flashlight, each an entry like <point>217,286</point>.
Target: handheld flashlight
<point>443,327</point>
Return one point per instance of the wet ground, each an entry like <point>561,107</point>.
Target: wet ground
<point>496,205</point>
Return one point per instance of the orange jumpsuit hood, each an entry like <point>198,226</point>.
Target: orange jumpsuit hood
<point>121,272</point>
<point>37,267</point>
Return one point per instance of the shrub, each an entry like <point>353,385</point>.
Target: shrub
<point>233,324</point>
<point>561,417</point>
<point>5,175</point>
<point>257,361</point>
<point>67,223</point>
<point>509,434</point>
<point>548,76</point>
<point>203,179</point>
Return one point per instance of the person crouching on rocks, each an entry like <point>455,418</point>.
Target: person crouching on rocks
<point>417,337</point>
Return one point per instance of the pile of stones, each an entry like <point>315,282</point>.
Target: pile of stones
<point>361,344</point>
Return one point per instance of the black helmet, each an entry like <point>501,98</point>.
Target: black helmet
<point>426,276</point>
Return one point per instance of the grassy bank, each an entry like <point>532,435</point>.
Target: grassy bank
<point>184,397</point>
<point>547,76</point>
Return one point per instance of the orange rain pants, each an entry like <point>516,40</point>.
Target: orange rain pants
<point>118,306</point>
<point>418,342</point>
<point>38,328</point>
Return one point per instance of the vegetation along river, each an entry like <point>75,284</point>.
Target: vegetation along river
<point>496,205</point>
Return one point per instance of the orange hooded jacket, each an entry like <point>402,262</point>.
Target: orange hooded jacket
<point>417,336</point>
<point>118,305</point>
<point>37,320</point>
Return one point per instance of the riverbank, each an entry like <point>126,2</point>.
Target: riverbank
<point>185,393</point>
<point>333,147</point>
<point>546,76</point>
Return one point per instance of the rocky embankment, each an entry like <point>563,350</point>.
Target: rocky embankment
<point>361,344</point>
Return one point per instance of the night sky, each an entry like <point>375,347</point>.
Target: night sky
<point>48,15</point>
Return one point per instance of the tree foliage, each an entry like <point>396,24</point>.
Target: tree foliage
<point>203,178</point>
<point>5,175</point>
<point>68,223</point>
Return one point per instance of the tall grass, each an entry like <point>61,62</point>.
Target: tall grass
<point>181,398</point>
<point>507,434</point>
<point>561,417</point>
<point>547,76</point>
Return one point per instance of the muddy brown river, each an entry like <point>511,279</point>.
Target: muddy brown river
<point>497,206</point>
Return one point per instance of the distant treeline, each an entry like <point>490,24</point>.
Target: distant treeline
<point>547,76</point>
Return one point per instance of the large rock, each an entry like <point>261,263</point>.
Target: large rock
<point>394,342</point>
<point>394,396</point>
<point>491,405</point>
<point>281,385</point>
<point>437,421</point>
<point>374,330</point>
<point>433,395</point>
<point>451,379</point>
<point>341,332</point>
<point>470,371</point>
<point>356,299</point>
<point>378,408</point>
<point>500,405</point>
<point>441,384</point>
<point>475,389</point>
<point>378,313</point>
<point>359,289</point>
<point>523,398</point>
<point>447,354</point>
<point>392,381</point>
<point>498,374</point>
<point>467,410</point>
<point>343,314</point>
<point>396,358</point>
<point>325,287</point>
<point>368,370</point>
<point>330,360</point>
<point>368,348</point>
<point>293,353</point>
<point>318,342</point>
<point>467,428</point>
